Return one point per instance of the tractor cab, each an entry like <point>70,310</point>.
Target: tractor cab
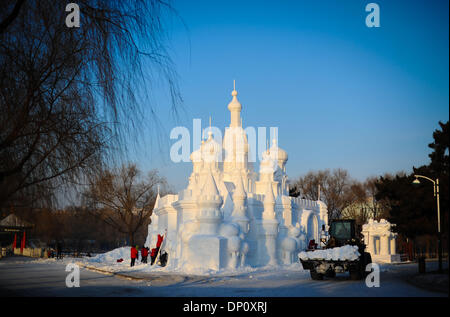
<point>342,232</point>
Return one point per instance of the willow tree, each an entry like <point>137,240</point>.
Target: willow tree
<point>72,98</point>
<point>123,198</point>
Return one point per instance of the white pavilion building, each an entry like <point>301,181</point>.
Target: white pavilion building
<point>230,215</point>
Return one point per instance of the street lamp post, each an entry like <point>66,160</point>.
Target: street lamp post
<point>436,194</point>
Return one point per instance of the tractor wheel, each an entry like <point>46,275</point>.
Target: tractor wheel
<point>367,260</point>
<point>355,274</point>
<point>316,276</point>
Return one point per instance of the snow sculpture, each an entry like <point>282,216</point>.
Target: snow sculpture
<point>380,241</point>
<point>230,216</point>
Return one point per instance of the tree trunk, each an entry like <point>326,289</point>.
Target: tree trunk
<point>131,236</point>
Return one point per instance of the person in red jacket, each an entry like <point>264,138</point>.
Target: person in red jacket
<point>158,246</point>
<point>160,240</point>
<point>153,255</point>
<point>144,254</point>
<point>312,245</point>
<point>134,254</point>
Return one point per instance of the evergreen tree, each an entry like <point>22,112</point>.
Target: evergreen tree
<point>413,208</point>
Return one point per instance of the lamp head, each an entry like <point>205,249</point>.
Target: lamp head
<point>416,181</point>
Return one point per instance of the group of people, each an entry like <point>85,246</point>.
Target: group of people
<point>145,252</point>
<point>135,254</point>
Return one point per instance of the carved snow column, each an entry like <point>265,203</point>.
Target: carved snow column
<point>287,214</point>
<point>153,226</point>
<point>244,252</point>
<point>384,244</point>
<point>283,211</point>
<point>371,244</point>
<point>270,225</point>
<point>240,203</point>
<point>323,213</point>
<point>393,237</point>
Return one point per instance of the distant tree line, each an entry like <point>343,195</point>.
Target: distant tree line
<point>344,196</point>
<point>115,211</point>
<point>394,197</point>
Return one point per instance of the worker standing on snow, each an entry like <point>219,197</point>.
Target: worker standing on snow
<point>153,256</point>
<point>144,254</point>
<point>134,254</point>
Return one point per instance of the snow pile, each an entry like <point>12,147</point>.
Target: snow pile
<point>108,263</point>
<point>112,256</point>
<point>347,252</point>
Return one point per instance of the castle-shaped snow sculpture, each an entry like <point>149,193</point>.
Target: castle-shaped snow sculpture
<point>230,216</point>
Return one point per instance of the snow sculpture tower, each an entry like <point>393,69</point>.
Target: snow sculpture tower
<point>231,216</point>
<point>206,247</point>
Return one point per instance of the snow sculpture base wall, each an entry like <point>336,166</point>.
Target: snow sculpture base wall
<point>391,258</point>
<point>207,252</point>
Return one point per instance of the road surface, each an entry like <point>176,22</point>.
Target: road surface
<point>21,276</point>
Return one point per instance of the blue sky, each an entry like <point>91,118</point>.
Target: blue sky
<point>341,94</point>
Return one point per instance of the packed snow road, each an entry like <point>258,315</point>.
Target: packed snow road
<point>20,276</point>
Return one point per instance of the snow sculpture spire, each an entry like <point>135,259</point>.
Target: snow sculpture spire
<point>209,216</point>
<point>235,108</point>
<point>210,190</point>
<point>210,129</point>
<point>239,191</point>
<point>157,200</point>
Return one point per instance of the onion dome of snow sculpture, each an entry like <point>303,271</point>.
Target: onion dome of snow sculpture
<point>196,156</point>
<point>278,154</point>
<point>231,214</point>
<point>268,164</point>
<point>211,150</point>
<point>235,108</point>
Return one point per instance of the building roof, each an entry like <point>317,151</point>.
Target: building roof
<point>13,221</point>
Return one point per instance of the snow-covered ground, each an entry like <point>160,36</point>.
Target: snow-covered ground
<point>108,262</point>
<point>20,276</point>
